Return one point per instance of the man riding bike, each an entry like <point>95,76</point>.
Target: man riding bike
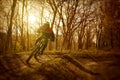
<point>46,33</point>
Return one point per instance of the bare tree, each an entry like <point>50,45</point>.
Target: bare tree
<point>110,20</point>
<point>8,45</point>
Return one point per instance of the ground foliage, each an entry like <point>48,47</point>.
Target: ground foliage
<point>84,65</point>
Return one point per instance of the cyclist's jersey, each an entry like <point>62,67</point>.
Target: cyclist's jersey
<point>50,35</point>
<point>47,32</point>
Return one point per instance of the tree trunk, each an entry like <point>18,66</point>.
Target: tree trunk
<point>8,45</point>
<point>28,37</point>
<point>22,28</point>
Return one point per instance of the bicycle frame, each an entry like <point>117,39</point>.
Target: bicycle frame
<point>38,49</point>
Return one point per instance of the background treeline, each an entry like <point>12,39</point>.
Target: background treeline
<point>77,24</point>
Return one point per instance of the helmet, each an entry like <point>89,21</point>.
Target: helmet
<point>47,24</point>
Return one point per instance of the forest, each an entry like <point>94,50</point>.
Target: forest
<point>86,42</point>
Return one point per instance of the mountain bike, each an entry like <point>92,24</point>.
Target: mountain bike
<point>38,49</point>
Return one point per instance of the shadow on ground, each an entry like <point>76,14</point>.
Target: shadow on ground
<point>61,67</point>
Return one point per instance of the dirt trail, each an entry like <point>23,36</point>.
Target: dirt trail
<point>55,67</point>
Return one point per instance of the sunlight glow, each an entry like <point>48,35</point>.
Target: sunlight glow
<point>32,19</point>
<point>33,16</point>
